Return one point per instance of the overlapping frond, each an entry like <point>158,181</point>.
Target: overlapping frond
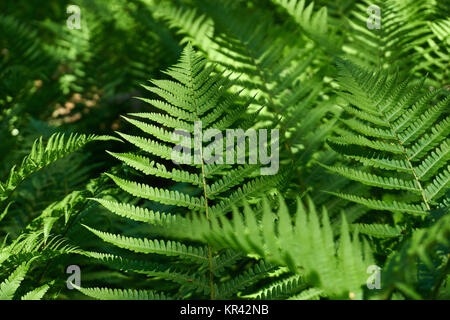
<point>396,118</point>
<point>9,286</point>
<point>303,243</point>
<point>426,251</point>
<point>414,33</point>
<point>314,24</point>
<point>42,155</point>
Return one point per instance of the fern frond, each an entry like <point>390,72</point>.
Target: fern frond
<point>198,282</point>
<point>42,155</point>
<point>408,36</point>
<point>36,294</point>
<point>160,195</point>
<point>9,286</point>
<point>408,130</point>
<point>427,246</point>
<point>314,24</point>
<point>148,167</point>
<point>300,243</point>
<point>394,206</point>
<point>196,93</point>
<point>137,213</point>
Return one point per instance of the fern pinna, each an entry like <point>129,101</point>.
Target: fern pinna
<point>198,94</point>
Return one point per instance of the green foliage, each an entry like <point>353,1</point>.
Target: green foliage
<point>363,122</point>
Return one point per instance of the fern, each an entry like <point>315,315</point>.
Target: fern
<point>10,285</point>
<point>398,127</point>
<point>191,98</point>
<point>287,82</point>
<point>41,156</point>
<point>362,116</point>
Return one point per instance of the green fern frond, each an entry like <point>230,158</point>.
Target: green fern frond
<point>42,155</point>
<point>34,246</point>
<point>137,213</point>
<point>377,230</point>
<point>36,294</point>
<point>198,282</point>
<point>410,34</point>
<point>197,94</point>
<point>399,110</point>
<point>9,286</point>
<point>161,195</point>
<point>279,238</point>
<point>314,24</point>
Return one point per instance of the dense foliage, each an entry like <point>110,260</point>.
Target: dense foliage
<point>87,176</point>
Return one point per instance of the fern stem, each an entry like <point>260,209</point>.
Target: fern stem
<point>416,178</point>
<point>205,194</point>
<point>422,191</point>
<point>211,275</point>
